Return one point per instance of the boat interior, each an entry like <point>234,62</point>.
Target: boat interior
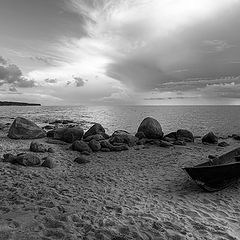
<point>227,158</point>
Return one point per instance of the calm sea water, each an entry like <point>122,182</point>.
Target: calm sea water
<point>223,120</point>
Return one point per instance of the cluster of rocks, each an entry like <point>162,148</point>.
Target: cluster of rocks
<point>28,159</point>
<point>96,139</point>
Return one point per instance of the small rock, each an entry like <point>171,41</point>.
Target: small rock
<point>94,145</point>
<point>81,146</point>
<point>210,138</point>
<point>27,159</point>
<point>72,134</point>
<point>223,144</point>
<point>48,163</point>
<point>8,157</point>
<point>37,147</point>
<point>184,135</point>
<point>172,136</point>
<point>51,150</point>
<point>121,136</point>
<point>86,153</point>
<point>105,149</point>
<point>81,160</point>
<point>106,144</point>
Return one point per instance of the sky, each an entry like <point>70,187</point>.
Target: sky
<point>149,52</point>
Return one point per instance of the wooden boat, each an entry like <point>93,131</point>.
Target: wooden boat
<point>217,173</point>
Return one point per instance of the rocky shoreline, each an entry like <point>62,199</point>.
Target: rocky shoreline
<point>65,183</point>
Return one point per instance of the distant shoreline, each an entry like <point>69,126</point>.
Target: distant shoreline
<point>6,103</point>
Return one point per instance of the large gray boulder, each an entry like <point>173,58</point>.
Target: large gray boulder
<point>151,128</point>
<point>22,128</point>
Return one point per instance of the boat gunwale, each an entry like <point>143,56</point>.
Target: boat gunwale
<point>213,166</point>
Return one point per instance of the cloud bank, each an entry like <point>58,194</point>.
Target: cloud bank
<point>139,51</point>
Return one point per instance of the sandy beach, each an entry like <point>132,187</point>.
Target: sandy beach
<point>142,193</point>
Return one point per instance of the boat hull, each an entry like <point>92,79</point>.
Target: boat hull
<point>216,174</point>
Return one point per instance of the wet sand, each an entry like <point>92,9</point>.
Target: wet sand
<point>138,194</point>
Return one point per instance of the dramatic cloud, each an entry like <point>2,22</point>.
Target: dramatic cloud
<point>11,74</point>
<point>131,51</point>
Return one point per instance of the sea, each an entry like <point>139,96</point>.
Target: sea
<point>222,120</point>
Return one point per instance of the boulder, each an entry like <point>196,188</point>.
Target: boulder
<point>97,137</point>
<point>48,163</point>
<point>122,136</point>
<point>81,160</point>
<point>210,138</point>
<point>223,144</point>
<point>36,146</point>
<point>81,146</point>
<point>94,145</point>
<point>184,135</point>
<point>151,128</point>
<point>95,129</point>
<point>72,134</point>
<point>58,133</point>
<point>22,128</point>
<point>27,159</point>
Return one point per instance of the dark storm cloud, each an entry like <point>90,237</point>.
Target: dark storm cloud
<point>11,74</point>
